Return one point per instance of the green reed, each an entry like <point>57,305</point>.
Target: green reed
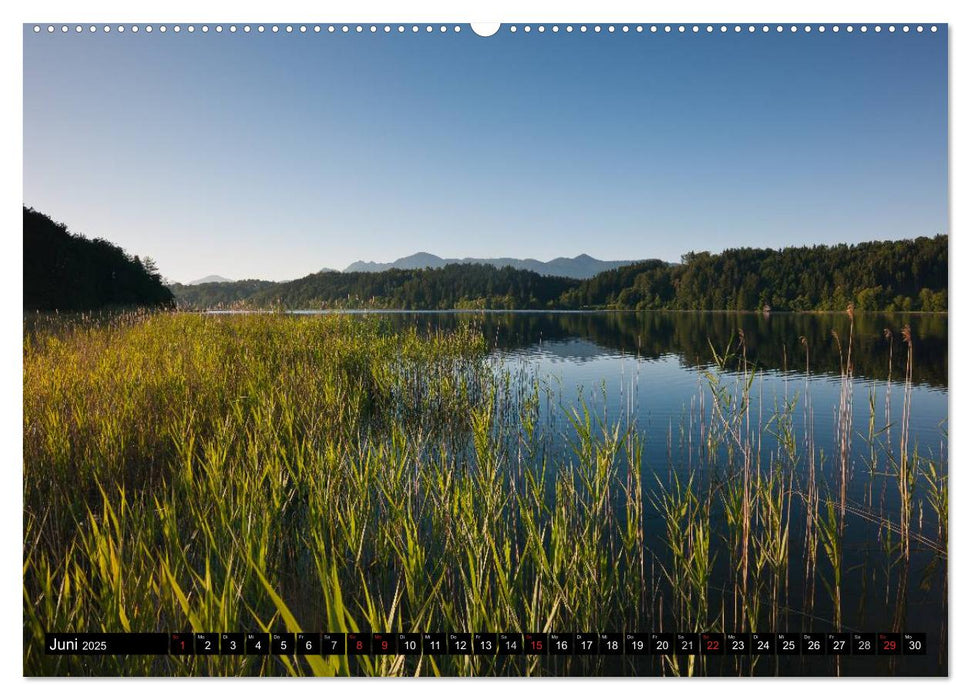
<point>265,472</point>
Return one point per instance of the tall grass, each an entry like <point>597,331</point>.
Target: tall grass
<point>261,472</point>
<point>264,472</point>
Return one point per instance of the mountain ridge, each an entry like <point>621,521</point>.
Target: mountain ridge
<point>582,266</point>
<point>209,279</point>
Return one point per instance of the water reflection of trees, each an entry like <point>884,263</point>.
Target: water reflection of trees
<point>771,341</point>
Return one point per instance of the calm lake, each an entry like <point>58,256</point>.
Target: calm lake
<point>658,373</point>
<point>649,367</point>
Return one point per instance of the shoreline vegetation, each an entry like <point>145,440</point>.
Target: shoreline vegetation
<point>887,276</point>
<point>286,473</point>
<point>771,340</point>
<point>65,272</point>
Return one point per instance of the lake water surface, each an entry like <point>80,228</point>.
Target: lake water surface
<point>659,373</point>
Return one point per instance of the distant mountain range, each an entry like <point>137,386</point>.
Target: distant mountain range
<point>210,278</point>
<point>581,267</point>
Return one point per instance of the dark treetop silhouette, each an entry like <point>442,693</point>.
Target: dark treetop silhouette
<point>68,272</point>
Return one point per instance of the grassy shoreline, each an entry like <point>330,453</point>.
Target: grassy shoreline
<point>268,472</point>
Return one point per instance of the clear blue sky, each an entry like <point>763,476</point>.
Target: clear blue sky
<point>275,155</point>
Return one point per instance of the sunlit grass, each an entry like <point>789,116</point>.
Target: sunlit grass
<point>265,472</point>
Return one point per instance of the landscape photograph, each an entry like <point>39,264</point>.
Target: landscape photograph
<point>611,350</point>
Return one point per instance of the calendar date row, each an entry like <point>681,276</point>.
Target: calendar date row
<point>493,643</point>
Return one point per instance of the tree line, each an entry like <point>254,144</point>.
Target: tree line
<point>64,271</point>
<point>904,275</point>
<point>455,286</point>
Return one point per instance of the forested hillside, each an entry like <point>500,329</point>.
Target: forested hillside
<point>212,295</point>
<point>457,286</point>
<point>68,272</point>
<point>906,275</point>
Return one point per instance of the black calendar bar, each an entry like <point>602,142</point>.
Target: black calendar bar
<point>489,643</point>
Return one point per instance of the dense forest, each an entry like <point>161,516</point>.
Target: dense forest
<point>906,275</point>
<point>68,272</point>
<point>456,286</point>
